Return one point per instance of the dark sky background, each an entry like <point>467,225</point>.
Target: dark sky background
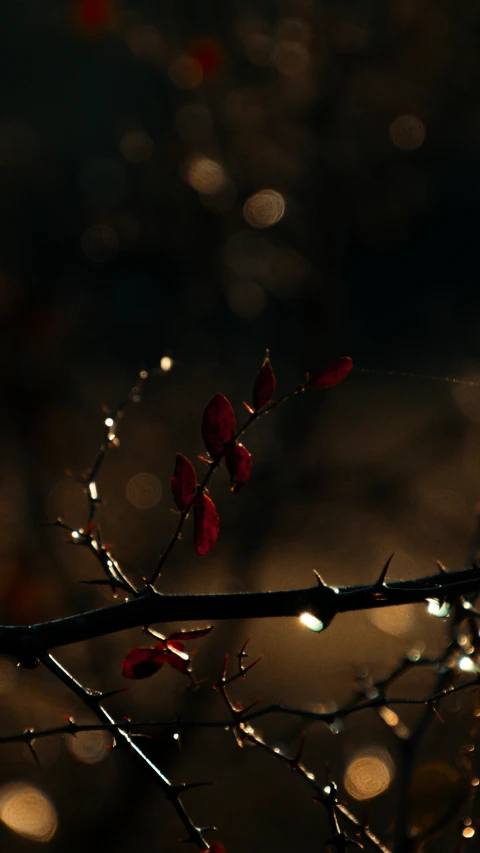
<point>202,181</point>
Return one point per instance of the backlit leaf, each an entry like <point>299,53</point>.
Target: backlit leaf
<point>239,464</point>
<point>206,524</point>
<point>218,425</point>
<point>142,663</point>
<point>264,385</point>
<point>183,482</point>
<point>331,375</point>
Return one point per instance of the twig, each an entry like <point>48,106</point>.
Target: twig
<point>172,792</point>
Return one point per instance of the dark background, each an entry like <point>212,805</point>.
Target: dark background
<point>131,136</point>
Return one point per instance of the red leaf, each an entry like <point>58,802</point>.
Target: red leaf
<point>332,374</point>
<point>206,524</point>
<point>239,464</point>
<point>195,634</point>
<point>184,482</point>
<point>218,425</point>
<point>216,847</point>
<point>264,385</point>
<point>142,663</point>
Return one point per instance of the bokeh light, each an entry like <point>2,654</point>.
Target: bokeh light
<point>466,664</point>
<point>137,146</point>
<point>205,175</point>
<point>185,72</point>
<point>368,775</point>
<point>263,209</point>
<point>94,16</point>
<point>166,363</point>
<point>144,490</point>
<point>146,43</point>
<point>89,747</point>
<point>27,811</point>
<point>291,58</point>
<point>397,621</point>
<point>407,132</point>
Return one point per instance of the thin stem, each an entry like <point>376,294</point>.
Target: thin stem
<point>327,717</point>
<point>213,466</point>
<point>94,702</point>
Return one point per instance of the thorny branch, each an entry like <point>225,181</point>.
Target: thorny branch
<point>147,606</point>
<point>245,716</point>
<point>94,701</point>
<point>325,794</point>
<point>150,607</point>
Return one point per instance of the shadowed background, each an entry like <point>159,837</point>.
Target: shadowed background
<point>196,182</point>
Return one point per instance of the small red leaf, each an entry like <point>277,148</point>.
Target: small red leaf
<point>142,663</point>
<point>206,524</point>
<point>195,634</point>
<point>218,425</point>
<point>183,482</point>
<point>216,847</point>
<point>264,385</point>
<point>332,374</point>
<point>239,464</point>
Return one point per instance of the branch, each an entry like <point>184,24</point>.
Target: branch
<point>127,725</point>
<point>172,792</point>
<point>148,607</point>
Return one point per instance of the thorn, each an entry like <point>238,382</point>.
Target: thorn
<point>110,693</point>
<point>251,665</point>
<point>252,705</point>
<point>34,754</point>
<point>242,653</point>
<point>320,580</point>
<point>295,761</point>
<point>441,566</point>
<point>248,408</point>
<point>186,786</point>
<point>225,665</point>
<point>381,579</point>
<point>432,706</point>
